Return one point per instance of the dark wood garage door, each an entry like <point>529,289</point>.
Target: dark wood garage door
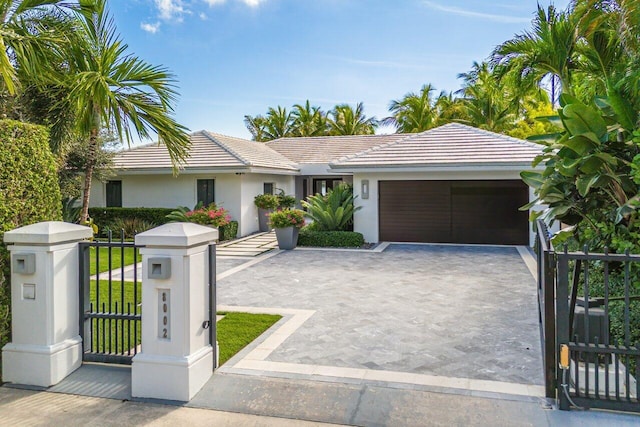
<point>453,212</point>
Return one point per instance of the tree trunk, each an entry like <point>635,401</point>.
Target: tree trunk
<point>88,174</point>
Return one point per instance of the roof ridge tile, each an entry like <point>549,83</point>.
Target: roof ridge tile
<point>376,147</point>
<point>224,146</point>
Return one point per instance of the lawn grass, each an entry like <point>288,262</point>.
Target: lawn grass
<point>237,330</point>
<point>116,258</point>
<point>120,335</point>
<point>234,332</point>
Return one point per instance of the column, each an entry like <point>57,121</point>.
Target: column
<point>176,358</point>
<point>46,344</point>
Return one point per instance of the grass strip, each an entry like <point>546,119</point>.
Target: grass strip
<point>237,330</point>
<point>116,258</point>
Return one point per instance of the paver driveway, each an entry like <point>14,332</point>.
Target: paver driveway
<point>453,311</point>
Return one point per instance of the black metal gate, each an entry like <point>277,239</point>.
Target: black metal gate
<point>596,357</point>
<point>110,295</point>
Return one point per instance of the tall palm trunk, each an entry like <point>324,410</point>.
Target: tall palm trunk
<point>88,174</point>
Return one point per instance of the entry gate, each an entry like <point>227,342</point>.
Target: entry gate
<point>593,302</point>
<point>110,317</point>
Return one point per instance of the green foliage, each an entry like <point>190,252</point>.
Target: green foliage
<point>285,201</point>
<point>236,330</point>
<point>71,210</point>
<point>228,231</point>
<point>130,226</point>
<point>286,218</point>
<point>336,239</point>
<point>333,212</point>
<point>29,193</point>
<point>306,120</point>
<point>104,217</point>
<point>266,201</point>
<point>586,180</point>
<point>414,112</point>
<point>209,215</point>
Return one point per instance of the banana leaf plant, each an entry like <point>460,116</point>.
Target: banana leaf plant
<point>588,167</point>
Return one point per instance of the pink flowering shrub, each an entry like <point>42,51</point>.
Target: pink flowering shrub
<point>210,215</point>
<point>287,218</point>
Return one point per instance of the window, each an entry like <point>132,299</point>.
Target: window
<point>268,188</point>
<point>206,194</point>
<point>114,194</point>
<point>322,186</point>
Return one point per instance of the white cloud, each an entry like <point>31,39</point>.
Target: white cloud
<point>462,12</point>
<point>170,9</point>
<point>150,28</point>
<point>252,3</point>
<point>202,16</point>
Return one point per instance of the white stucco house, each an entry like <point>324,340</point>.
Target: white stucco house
<point>451,184</point>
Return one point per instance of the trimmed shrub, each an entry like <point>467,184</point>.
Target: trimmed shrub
<point>29,193</point>
<point>130,226</point>
<point>334,239</point>
<point>105,217</point>
<point>229,231</point>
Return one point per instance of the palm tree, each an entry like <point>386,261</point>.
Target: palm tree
<point>278,123</point>
<point>414,112</point>
<point>257,126</point>
<point>488,103</point>
<point>29,30</point>
<point>609,58</point>
<point>308,120</point>
<point>450,109</point>
<point>344,120</point>
<point>114,90</point>
<point>549,48</point>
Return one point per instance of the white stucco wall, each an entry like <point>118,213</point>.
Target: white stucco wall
<point>252,185</point>
<point>233,192</point>
<point>366,219</point>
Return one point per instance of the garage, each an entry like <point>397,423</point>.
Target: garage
<point>454,211</point>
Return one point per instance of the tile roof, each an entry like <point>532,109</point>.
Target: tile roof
<point>208,150</point>
<point>453,144</point>
<point>324,149</point>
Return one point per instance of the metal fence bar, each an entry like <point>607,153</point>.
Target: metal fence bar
<point>107,322</point>
<point>213,303</point>
<point>546,306</point>
<point>562,324</point>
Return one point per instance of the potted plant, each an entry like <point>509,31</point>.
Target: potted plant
<point>266,203</point>
<point>285,201</point>
<point>287,223</point>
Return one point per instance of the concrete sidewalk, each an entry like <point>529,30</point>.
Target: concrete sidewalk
<point>33,408</point>
<point>255,401</point>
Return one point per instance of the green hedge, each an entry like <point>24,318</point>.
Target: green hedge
<point>335,239</point>
<point>29,193</point>
<point>104,217</point>
<point>229,231</point>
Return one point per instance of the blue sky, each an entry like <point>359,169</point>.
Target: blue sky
<point>237,57</point>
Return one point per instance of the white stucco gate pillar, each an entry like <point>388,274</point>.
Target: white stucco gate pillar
<point>176,358</point>
<point>45,345</point>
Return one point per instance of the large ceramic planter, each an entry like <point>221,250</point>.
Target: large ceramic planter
<point>287,237</point>
<point>263,218</point>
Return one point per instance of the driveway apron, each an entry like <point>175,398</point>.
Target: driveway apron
<point>450,311</point>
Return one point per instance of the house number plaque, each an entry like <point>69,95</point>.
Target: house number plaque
<point>164,314</point>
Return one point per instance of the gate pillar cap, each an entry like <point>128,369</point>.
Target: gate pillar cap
<point>177,235</point>
<point>48,233</point>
